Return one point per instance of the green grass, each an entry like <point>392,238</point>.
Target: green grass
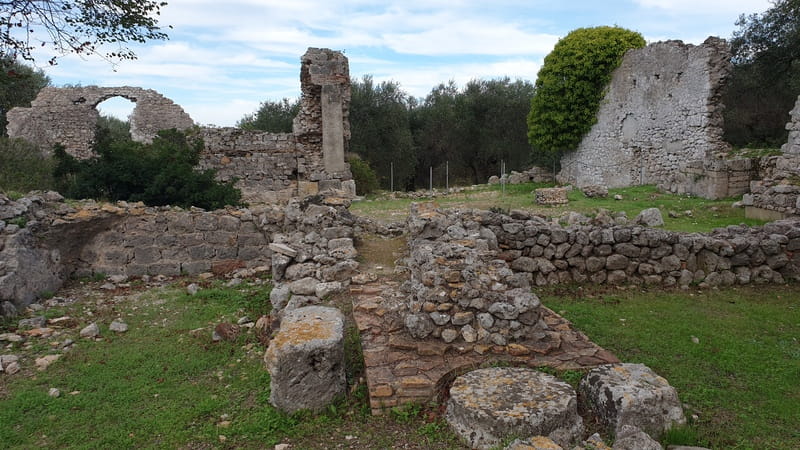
<point>705,214</point>
<point>164,384</point>
<point>742,376</point>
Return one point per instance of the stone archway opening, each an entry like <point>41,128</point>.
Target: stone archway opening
<point>114,120</point>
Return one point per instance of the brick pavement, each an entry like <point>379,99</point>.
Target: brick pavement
<point>401,369</point>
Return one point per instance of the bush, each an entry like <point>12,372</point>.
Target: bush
<point>23,167</point>
<point>365,178</point>
<point>572,83</point>
<point>161,173</point>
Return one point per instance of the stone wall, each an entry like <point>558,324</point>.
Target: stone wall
<point>68,116</point>
<point>269,167</point>
<point>792,146</point>
<point>713,178</point>
<point>541,253</point>
<point>662,109</point>
<point>43,241</point>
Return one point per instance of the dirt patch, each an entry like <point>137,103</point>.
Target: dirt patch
<point>378,255</point>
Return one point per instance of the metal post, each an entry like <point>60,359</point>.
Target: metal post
<point>430,184</point>
<point>447,176</point>
<point>391,176</point>
<point>503,175</point>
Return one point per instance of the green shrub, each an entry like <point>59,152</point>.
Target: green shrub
<point>161,173</point>
<point>23,167</point>
<point>572,83</point>
<point>365,178</point>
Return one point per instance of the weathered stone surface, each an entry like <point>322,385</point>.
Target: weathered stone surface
<point>306,359</point>
<point>279,296</point>
<point>650,217</point>
<point>551,196</point>
<point>488,405</point>
<point>631,394</point>
<point>632,438</point>
<point>533,443</point>
<point>661,110</point>
<point>118,326</point>
<point>90,331</point>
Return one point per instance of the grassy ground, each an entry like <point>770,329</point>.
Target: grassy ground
<point>705,214</point>
<point>164,384</point>
<point>741,375</point>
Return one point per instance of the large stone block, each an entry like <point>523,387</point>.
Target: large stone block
<point>631,394</point>
<point>306,359</point>
<point>487,406</point>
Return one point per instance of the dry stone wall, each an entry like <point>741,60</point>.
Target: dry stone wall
<point>662,109</point>
<point>68,116</point>
<point>538,252</point>
<point>43,241</point>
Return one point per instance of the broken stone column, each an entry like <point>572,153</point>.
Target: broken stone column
<point>487,406</point>
<point>306,359</point>
<point>631,394</point>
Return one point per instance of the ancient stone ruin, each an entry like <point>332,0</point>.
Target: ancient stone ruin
<point>661,123</point>
<point>270,167</point>
<point>68,116</point>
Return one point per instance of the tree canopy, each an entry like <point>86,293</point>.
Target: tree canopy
<point>765,81</point>
<point>19,85</point>
<point>80,26</point>
<point>571,84</point>
<point>272,116</point>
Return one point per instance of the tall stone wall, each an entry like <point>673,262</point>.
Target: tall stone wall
<point>68,116</point>
<point>792,146</point>
<point>662,110</point>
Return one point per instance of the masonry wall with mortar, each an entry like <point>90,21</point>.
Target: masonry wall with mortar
<point>662,110</point>
<point>269,167</point>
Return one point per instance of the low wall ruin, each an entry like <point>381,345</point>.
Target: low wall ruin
<point>57,241</point>
<point>662,110</point>
<point>269,167</point>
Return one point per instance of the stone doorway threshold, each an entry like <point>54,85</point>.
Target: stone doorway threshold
<point>400,369</point>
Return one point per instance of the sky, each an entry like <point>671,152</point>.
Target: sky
<point>223,58</point>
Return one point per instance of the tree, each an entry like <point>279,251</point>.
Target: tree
<point>380,132</point>
<point>275,117</point>
<point>81,26</point>
<point>160,173</point>
<point>19,85</point>
<point>766,76</point>
<point>571,84</point>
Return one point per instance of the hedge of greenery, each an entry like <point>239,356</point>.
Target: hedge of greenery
<point>571,84</point>
<point>161,173</point>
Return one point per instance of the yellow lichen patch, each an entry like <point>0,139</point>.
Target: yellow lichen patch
<point>81,214</point>
<point>295,333</point>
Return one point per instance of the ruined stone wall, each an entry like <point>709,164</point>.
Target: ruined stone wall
<point>56,241</point>
<point>662,109</point>
<point>541,253</point>
<point>68,116</point>
<point>792,146</point>
<point>713,178</point>
<point>274,167</point>
<point>269,167</point>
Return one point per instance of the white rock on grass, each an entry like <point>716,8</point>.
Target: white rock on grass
<point>44,362</point>
<point>118,326</point>
<point>650,217</point>
<point>632,438</point>
<point>192,289</point>
<point>90,331</point>
<point>54,392</point>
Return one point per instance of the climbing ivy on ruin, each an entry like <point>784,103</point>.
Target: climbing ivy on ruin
<point>571,84</point>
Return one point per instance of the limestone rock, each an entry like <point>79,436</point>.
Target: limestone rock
<point>631,394</point>
<point>306,359</point>
<point>90,331</point>
<point>595,191</point>
<point>279,296</point>
<point>632,438</point>
<point>489,405</point>
<point>44,362</point>
<point>419,325</point>
<point>118,326</point>
<point>192,289</point>
<point>534,443</point>
<point>650,217</point>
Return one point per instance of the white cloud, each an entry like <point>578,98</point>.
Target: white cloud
<point>694,7</point>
